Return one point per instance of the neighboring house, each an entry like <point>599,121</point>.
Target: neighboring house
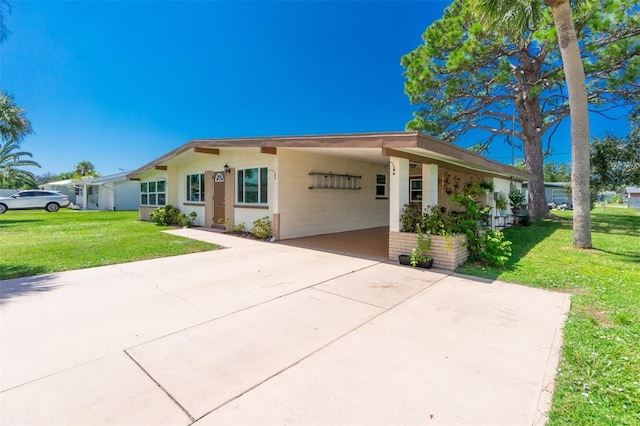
<point>111,192</point>
<point>312,185</point>
<point>63,186</point>
<point>632,192</point>
<point>559,192</point>
<point>633,196</point>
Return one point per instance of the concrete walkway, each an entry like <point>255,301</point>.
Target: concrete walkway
<point>262,333</point>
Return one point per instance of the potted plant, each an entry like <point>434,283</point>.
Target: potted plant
<point>501,204</point>
<point>419,256</point>
<point>486,186</point>
<point>516,197</point>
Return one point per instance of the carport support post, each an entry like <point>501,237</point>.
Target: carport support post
<point>85,197</point>
<point>429,185</point>
<point>398,190</point>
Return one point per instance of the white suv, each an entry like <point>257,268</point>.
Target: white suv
<point>51,201</point>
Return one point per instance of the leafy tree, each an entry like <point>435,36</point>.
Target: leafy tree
<point>615,162</point>
<point>488,83</point>
<point>557,172</point>
<point>85,169</point>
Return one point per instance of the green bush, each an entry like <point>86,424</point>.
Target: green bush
<point>166,216</point>
<point>436,221</point>
<point>172,216</point>
<point>485,245</point>
<point>262,228</point>
<point>493,249</point>
<point>187,220</point>
<point>410,217</point>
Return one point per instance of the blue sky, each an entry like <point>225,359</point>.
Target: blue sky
<point>120,83</point>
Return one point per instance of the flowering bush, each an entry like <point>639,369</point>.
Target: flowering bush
<point>262,228</point>
<point>172,216</point>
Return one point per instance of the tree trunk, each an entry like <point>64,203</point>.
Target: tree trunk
<point>580,134</point>
<point>531,121</point>
<point>528,106</point>
<point>534,164</point>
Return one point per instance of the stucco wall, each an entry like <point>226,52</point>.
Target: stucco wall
<point>236,159</point>
<point>305,211</point>
<point>127,195</point>
<point>144,212</point>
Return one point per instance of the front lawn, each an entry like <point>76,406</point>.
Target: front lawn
<point>598,382</point>
<point>36,242</point>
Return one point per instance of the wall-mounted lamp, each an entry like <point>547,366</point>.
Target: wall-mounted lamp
<point>274,174</point>
<point>393,168</point>
<point>227,168</point>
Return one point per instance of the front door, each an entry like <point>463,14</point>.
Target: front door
<point>218,197</point>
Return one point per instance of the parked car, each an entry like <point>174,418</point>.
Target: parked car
<point>51,201</point>
<point>565,206</point>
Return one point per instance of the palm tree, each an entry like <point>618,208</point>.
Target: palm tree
<point>14,126</point>
<point>11,176</point>
<point>85,169</point>
<point>517,18</point>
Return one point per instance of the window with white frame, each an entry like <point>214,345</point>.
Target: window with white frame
<point>195,188</point>
<point>252,186</point>
<point>153,193</point>
<point>381,186</point>
<point>415,189</point>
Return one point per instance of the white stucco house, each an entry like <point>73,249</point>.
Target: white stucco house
<point>312,185</point>
<point>110,192</point>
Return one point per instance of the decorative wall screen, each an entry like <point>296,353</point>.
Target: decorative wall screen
<point>334,181</point>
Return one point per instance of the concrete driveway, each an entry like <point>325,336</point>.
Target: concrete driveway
<point>262,333</point>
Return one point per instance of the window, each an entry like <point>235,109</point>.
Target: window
<point>252,186</point>
<point>415,190</point>
<point>381,186</point>
<point>195,188</point>
<point>153,193</point>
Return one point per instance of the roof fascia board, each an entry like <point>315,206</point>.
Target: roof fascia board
<point>448,149</point>
<point>516,173</point>
<point>357,140</point>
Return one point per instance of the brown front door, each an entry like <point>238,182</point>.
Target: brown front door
<point>218,197</point>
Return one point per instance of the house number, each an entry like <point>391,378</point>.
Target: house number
<point>219,177</point>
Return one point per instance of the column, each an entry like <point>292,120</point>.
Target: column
<point>429,185</point>
<point>398,190</point>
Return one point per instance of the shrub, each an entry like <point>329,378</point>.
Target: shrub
<point>172,216</point>
<point>493,249</point>
<point>187,220</point>
<point>166,216</point>
<point>423,247</point>
<point>410,217</point>
<point>262,228</point>
<point>485,245</point>
<point>436,221</point>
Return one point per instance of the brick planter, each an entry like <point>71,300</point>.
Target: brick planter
<point>447,252</point>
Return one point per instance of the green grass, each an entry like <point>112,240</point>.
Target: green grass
<point>599,378</point>
<point>36,242</point>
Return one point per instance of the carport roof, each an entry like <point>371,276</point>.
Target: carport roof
<point>372,147</point>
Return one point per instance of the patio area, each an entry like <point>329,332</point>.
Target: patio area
<point>372,243</point>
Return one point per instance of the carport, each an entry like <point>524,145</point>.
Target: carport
<point>372,243</point>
